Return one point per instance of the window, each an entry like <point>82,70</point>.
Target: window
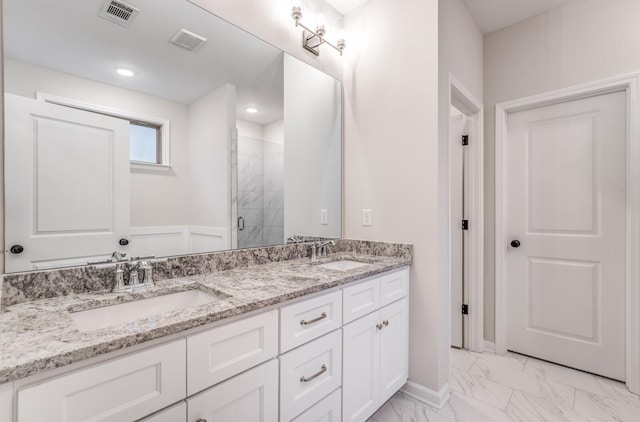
<point>145,142</point>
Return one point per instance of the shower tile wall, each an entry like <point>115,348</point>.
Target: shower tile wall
<point>250,171</point>
<point>260,193</point>
<point>273,190</point>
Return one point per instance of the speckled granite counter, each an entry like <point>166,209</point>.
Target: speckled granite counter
<point>39,335</point>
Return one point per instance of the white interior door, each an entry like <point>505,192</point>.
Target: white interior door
<point>66,184</point>
<point>456,130</point>
<point>565,187</point>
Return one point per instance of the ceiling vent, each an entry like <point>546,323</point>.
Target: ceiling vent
<point>187,39</point>
<point>119,12</point>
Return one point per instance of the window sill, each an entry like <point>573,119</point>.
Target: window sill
<point>139,165</point>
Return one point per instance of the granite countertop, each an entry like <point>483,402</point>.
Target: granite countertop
<point>40,335</point>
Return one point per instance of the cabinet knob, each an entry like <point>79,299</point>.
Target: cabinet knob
<point>379,326</point>
<point>17,249</point>
<point>515,243</point>
<point>201,420</point>
<point>123,242</point>
<point>385,322</point>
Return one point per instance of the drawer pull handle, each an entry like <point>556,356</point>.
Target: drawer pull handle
<point>322,370</point>
<point>321,317</point>
<point>385,322</point>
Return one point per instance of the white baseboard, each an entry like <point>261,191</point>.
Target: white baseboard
<point>489,346</point>
<point>424,395</point>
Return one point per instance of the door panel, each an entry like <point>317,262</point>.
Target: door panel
<point>566,205</point>
<point>67,183</point>
<point>394,346</point>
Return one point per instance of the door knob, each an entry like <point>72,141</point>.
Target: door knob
<point>16,249</point>
<point>515,243</point>
<point>123,242</point>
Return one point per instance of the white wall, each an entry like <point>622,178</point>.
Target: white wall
<point>460,55</point>
<point>249,129</point>
<point>149,190</point>
<point>391,159</point>
<point>274,132</point>
<point>312,153</point>
<point>211,119</point>
<point>582,41</point>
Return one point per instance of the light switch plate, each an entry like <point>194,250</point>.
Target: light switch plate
<point>324,217</point>
<point>366,217</point>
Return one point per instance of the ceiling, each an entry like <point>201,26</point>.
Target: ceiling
<point>69,36</point>
<point>491,15</point>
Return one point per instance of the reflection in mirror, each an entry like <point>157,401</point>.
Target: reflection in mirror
<point>159,129</point>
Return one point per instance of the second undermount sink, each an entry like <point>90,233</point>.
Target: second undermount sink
<point>343,265</point>
<point>111,315</point>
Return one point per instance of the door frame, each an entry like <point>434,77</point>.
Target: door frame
<point>463,99</point>
<point>630,84</point>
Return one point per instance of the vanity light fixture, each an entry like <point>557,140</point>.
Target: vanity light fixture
<point>252,110</point>
<point>125,72</point>
<point>312,40</point>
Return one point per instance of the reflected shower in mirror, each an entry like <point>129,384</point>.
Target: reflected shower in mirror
<point>157,128</point>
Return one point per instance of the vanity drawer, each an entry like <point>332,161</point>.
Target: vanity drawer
<point>309,319</point>
<point>309,373</point>
<point>225,351</point>
<point>329,409</point>
<point>361,299</point>
<point>122,389</point>
<point>394,286</point>
<point>175,413</point>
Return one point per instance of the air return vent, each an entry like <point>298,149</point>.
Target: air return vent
<point>187,39</point>
<point>119,12</point>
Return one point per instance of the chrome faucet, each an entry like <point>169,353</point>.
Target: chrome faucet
<point>314,251</point>
<point>134,266</point>
<point>322,247</point>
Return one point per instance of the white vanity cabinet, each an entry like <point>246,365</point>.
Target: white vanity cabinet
<point>375,347</point>
<point>250,396</point>
<point>334,356</point>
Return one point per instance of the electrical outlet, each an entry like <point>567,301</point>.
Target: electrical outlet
<point>366,218</point>
<point>324,217</point>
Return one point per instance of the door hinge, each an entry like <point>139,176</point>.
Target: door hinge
<point>465,139</point>
<point>465,224</point>
<point>465,309</point>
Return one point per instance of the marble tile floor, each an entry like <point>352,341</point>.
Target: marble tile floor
<point>486,387</point>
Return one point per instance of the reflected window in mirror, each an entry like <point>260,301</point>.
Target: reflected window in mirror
<point>145,141</point>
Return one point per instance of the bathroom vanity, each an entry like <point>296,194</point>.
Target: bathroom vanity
<point>292,340</point>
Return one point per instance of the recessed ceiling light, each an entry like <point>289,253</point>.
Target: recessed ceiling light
<point>252,110</point>
<point>125,72</point>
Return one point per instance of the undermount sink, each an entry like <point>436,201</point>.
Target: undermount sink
<point>107,316</point>
<point>343,265</point>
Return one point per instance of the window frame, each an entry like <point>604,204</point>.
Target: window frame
<point>164,126</point>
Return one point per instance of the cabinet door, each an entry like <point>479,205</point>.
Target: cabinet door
<point>177,413</point>
<point>222,352</point>
<point>394,345</point>
<point>122,389</point>
<point>361,363</point>
<point>248,397</point>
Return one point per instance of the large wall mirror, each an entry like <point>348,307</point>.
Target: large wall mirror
<point>155,127</point>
